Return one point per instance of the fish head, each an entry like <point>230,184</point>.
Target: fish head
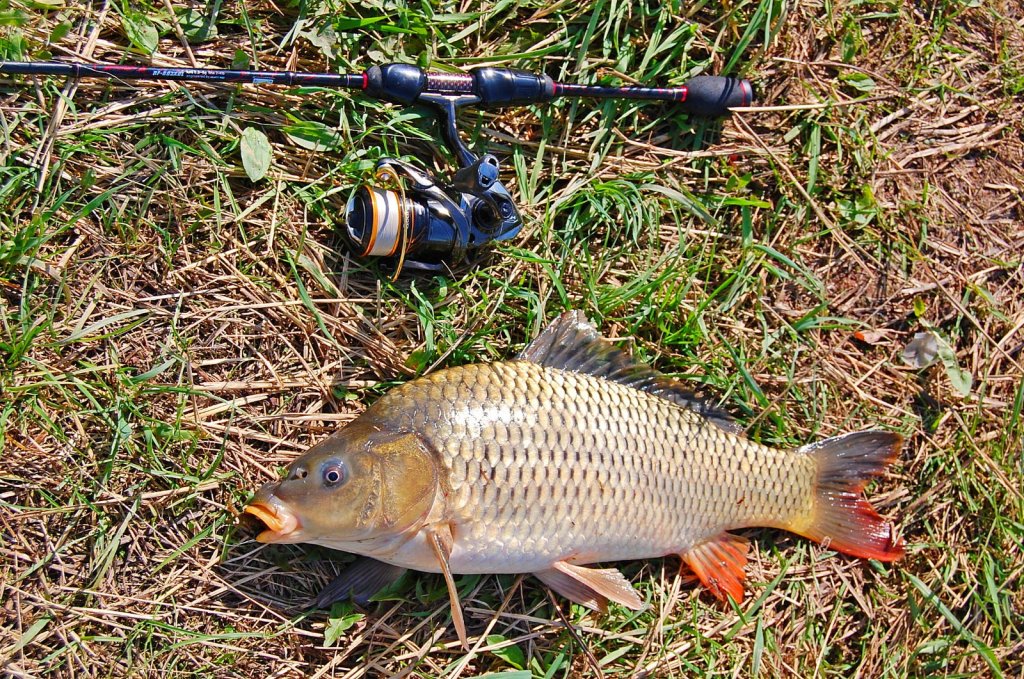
<point>357,486</point>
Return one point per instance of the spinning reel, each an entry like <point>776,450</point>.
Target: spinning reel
<point>427,222</point>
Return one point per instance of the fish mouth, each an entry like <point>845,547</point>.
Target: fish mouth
<point>282,524</point>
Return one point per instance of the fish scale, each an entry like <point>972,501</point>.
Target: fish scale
<point>564,465</point>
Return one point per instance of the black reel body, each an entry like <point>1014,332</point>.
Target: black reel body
<point>427,221</point>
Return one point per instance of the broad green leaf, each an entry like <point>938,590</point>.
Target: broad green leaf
<point>511,654</point>
<point>256,153</point>
<point>859,81</point>
<point>325,39</point>
<point>60,31</point>
<point>197,26</point>
<point>341,619</point>
<point>140,31</point>
<point>960,378</point>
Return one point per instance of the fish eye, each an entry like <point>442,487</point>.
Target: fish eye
<point>333,473</point>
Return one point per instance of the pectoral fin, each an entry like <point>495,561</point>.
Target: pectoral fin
<point>441,541</point>
<point>719,563</point>
<point>591,587</point>
<point>363,578</point>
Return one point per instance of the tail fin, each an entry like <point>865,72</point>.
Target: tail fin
<point>842,518</point>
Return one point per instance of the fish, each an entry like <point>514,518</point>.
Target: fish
<point>570,455</point>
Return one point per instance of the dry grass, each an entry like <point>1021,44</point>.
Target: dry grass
<point>172,333</point>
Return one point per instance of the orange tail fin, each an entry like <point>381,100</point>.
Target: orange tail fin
<point>842,519</point>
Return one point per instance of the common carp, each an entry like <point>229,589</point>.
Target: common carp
<point>572,454</point>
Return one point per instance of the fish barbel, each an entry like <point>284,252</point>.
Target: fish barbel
<point>571,455</point>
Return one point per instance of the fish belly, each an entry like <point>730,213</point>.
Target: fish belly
<point>546,465</point>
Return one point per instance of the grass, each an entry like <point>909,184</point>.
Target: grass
<point>172,333</point>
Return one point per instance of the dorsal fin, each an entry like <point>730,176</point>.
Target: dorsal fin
<point>572,343</point>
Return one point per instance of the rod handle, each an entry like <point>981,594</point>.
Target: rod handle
<point>713,95</point>
<point>405,83</point>
<point>511,87</point>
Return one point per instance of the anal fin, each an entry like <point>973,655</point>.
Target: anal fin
<point>719,563</point>
<point>607,583</point>
<point>441,541</point>
<point>573,590</point>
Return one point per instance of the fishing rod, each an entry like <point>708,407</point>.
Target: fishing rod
<point>432,221</point>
